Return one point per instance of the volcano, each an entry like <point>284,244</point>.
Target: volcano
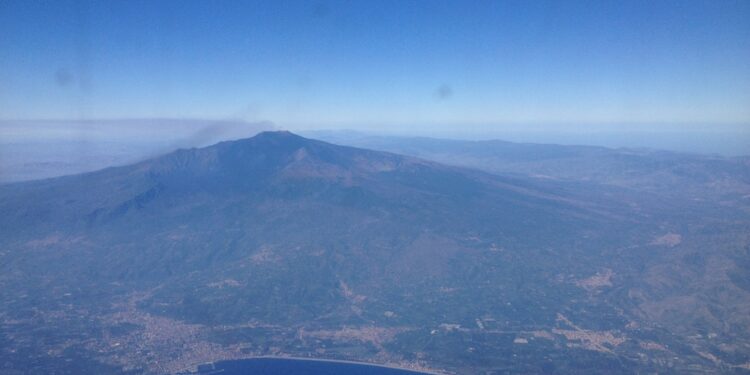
<point>283,245</point>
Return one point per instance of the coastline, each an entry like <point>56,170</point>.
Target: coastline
<point>281,357</point>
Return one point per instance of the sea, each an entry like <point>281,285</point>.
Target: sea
<point>283,366</point>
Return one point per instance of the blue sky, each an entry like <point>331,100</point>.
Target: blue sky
<point>365,64</point>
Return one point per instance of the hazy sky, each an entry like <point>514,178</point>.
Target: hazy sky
<point>363,63</point>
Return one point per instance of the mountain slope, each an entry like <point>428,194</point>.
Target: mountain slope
<point>279,244</point>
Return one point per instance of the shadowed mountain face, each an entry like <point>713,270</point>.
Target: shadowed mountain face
<point>280,244</point>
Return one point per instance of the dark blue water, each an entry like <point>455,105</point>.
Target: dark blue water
<point>278,366</point>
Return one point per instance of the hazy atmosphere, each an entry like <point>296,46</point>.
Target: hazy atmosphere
<point>358,187</point>
<point>668,74</point>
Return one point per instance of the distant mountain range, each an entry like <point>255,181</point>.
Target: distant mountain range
<point>692,176</point>
<point>536,259</point>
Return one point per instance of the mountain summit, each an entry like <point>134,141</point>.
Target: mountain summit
<point>272,152</point>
